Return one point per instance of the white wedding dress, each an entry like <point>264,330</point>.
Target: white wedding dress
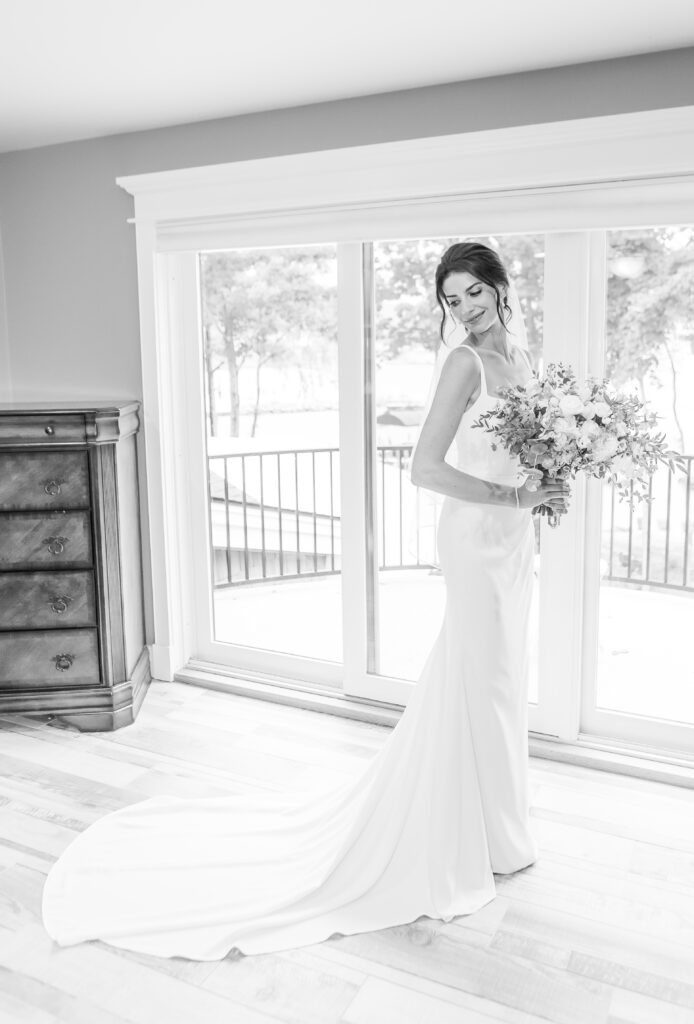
<point>440,808</point>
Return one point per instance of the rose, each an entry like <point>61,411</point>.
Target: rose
<point>570,405</point>
<point>589,429</point>
<point>565,425</point>
<point>603,410</point>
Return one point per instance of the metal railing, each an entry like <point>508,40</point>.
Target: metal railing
<point>275,515</point>
<point>650,543</point>
<point>260,533</point>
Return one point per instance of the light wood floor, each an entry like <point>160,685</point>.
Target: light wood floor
<point>601,928</point>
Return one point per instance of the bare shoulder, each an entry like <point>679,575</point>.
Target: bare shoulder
<point>460,376</point>
<point>462,363</point>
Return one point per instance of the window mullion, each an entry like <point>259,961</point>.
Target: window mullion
<point>353,491</point>
<point>567,325</point>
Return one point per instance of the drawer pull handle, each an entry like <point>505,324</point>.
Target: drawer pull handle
<point>53,486</point>
<point>59,604</point>
<point>56,545</point>
<point>63,662</point>
<point>49,430</point>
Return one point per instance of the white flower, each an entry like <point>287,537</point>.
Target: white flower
<point>605,449</point>
<point>620,428</point>
<point>589,429</point>
<point>584,392</point>
<point>562,423</point>
<point>533,386</point>
<point>570,405</point>
<point>603,410</point>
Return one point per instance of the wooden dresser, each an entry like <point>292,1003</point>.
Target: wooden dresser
<point>72,638</point>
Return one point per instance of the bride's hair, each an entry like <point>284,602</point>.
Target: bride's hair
<point>480,261</point>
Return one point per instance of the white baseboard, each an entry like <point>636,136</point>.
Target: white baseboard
<point>601,753</point>
<point>605,754</point>
<point>216,677</point>
<point>161,662</point>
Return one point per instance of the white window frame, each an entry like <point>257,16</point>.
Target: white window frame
<point>571,180</point>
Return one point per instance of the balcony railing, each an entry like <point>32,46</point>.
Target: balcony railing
<point>275,515</point>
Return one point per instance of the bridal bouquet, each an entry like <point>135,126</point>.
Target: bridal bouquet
<point>561,427</point>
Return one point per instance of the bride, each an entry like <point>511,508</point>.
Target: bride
<point>444,804</point>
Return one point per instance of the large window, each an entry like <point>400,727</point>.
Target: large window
<point>287,345</point>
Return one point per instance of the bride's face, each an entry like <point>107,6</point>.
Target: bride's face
<point>471,301</point>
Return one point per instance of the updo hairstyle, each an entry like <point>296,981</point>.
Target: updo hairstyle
<point>480,261</point>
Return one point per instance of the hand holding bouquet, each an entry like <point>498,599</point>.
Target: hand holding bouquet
<point>560,427</point>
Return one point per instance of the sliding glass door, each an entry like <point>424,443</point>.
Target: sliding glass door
<point>407,587</point>
<point>269,351</point>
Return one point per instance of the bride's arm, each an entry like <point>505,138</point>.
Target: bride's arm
<point>429,468</point>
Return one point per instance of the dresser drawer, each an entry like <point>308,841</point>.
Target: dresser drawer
<point>44,480</point>
<point>52,657</point>
<point>44,540</point>
<point>46,599</point>
<point>42,428</point>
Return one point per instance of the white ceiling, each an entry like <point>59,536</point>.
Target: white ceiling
<point>74,69</point>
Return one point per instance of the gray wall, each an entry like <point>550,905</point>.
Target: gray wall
<point>70,329</point>
<point>69,255</point>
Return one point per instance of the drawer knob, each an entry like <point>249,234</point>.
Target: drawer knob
<point>56,545</point>
<point>53,486</point>
<point>49,430</point>
<point>63,661</point>
<point>59,603</point>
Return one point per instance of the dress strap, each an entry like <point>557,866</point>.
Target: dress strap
<point>483,382</point>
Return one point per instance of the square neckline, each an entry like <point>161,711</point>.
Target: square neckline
<point>483,376</point>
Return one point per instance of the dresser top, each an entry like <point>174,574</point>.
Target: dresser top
<point>41,424</point>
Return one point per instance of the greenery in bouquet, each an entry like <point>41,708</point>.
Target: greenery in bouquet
<point>561,426</point>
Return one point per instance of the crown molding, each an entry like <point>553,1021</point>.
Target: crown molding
<point>614,148</point>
